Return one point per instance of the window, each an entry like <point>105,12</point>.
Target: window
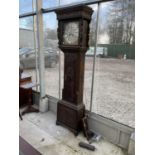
<point>65,2</point>
<point>51,54</point>
<point>113,94</point>
<point>25,6</point>
<point>89,60</point>
<point>27,46</point>
<point>50,3</point>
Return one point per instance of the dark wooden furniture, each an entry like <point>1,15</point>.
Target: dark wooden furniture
<point>25,94</point>
<point>73,35</point>
<point>26,149</point>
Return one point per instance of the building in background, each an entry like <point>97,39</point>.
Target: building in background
<point>26,38</point>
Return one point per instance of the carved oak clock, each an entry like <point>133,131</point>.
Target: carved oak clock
<point>73,35</point>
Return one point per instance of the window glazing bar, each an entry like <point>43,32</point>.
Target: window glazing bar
<point>63,6</point>
<point>27,14</point>
<point>94,59</point>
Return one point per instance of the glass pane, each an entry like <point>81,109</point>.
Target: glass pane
<point>26,23</point>
<point>65,2</point>
<point>25,6</point>
<point>51,54</point>
<point>114,84</point>
<point>50,3</point>
<point>27,46</point>
<point>89,59</point>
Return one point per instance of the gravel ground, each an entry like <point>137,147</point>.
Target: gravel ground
<point>114,87</point>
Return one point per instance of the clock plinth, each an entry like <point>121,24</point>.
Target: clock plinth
<point>73,30</point>
<point>70,115</point>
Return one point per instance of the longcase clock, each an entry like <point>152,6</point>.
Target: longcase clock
<point>73,35</point>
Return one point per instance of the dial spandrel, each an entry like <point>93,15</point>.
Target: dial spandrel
<point>71,33</point>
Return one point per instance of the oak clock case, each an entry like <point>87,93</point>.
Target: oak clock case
<point>73,36</point>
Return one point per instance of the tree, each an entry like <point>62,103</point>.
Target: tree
<point>121,22</point>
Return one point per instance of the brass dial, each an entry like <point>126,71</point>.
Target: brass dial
<point>71,33</point>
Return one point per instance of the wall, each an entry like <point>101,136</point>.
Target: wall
<point>114,50</point>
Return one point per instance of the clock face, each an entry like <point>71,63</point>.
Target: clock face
<point>71,33</point>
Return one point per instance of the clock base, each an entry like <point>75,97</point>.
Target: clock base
<point>70,116</point>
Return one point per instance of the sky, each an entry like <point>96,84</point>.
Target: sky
<point>49,19</point>
<point>25,6</point>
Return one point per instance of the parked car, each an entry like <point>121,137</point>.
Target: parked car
<point>90,52</point>
<point>100,52</point>
<point>28,58</point>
